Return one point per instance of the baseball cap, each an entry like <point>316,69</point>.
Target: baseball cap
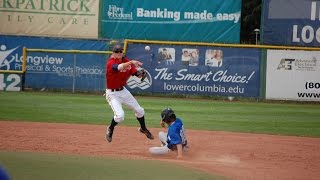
<point>117,48</point>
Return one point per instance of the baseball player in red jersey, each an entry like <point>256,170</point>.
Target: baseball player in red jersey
<point>118,71</point>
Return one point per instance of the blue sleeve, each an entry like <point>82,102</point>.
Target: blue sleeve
<point>115,67</point>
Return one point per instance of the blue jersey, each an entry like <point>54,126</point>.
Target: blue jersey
<point>176,134</point>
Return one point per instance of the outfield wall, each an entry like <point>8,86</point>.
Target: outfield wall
<point>172,67</point>
<point>10,82</point>
<point>196,70</point>
<point>68,71</point>
<point>293,75</point>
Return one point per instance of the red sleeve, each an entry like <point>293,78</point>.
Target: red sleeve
<point>133,69</point>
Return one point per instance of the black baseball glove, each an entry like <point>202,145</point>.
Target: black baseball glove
<point>141,73</point>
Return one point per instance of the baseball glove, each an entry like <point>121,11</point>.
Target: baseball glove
<point>142,73</point>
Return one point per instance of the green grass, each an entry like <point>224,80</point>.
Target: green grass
<point>34,166</point>
<point>298,119</point>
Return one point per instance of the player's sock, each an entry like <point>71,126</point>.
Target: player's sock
<point>142,123</point>
<point>112,125</point>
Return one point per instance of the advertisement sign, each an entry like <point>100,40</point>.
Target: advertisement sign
<point>56,70</point>
<point>291,22</point>
<point>64,18</point>
<point>197,70</point>
<point>10,82</point>
<point>293,75</point>
<point>170,20</point>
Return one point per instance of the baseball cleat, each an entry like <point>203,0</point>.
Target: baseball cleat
<point>147,133</point>
<point>109,135</point>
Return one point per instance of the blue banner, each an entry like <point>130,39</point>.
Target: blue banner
<point>200,21</point>
<point>10,82</point>
<point>291,22</point>
<point>73,71</point>
<point>198,70</point>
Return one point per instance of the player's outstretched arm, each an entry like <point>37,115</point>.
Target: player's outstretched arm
<point>136,63</point>
<point>179,148</point>
<point>162,124</point>
<point>129,63</point>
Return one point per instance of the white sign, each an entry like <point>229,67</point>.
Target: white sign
<point>63,18</point>
<point>293,75</point>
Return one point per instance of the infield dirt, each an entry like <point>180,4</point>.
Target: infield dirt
<point>234,155</point>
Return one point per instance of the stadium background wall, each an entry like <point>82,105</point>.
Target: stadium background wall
<point>54,61</point>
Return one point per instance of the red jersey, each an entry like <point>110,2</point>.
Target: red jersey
<point>116,79</point>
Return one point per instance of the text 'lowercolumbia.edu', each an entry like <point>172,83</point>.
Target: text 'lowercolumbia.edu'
<point>200,88</point>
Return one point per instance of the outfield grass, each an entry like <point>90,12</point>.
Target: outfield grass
<point>42,166</point>
<point>299,119</point>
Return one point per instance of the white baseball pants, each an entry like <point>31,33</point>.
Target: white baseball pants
<point>117,98</point>
<point>164,148</point>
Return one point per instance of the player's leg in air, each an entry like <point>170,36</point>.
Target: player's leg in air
<point>133,104</point>
<point>118,114</point>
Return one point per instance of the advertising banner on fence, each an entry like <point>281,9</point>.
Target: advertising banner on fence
<point>85,72</point>
<point>64,18</point>
<point>293,75</point>
<point>197,70</point>
<point>201,21</point>
<point>10,82</point>
<point>291,22</point>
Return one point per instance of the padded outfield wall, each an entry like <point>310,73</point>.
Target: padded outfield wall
<point>173,68</point>
<point>65,71</point>
<point>293,75</point>
<point>236,74</point>
<point>197,70</point>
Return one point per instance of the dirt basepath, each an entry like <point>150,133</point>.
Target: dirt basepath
<point>235,155</point>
